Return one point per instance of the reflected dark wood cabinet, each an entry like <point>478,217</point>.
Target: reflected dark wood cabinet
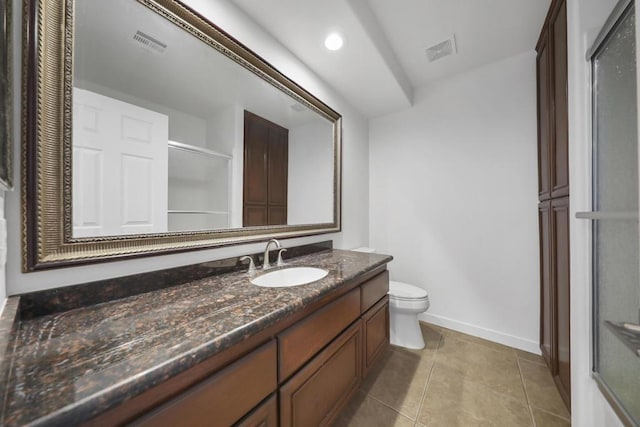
<point>266,166</point>
<point>553,193</point>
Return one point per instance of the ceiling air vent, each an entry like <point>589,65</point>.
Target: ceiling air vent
<point>149,42</point>
<point>442,49</point>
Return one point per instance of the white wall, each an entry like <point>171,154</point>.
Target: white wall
<point>454,198</point>
<point>584,20</point>
<point>355,177</point>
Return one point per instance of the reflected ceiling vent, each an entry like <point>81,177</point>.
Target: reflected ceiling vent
<point>149,43</point>
<point>442,49</point>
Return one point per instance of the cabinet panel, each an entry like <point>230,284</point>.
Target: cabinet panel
<point>224,398</point>
<point>265,415</point>
<point>375,325</point>
<point>300,342</point>
<point>373,290</point>
<point>560,268</point>
<point>544,128</point>
<point>560,151</point>
<point>278,165</point>
<point>546,291</point>
<point>316,394</point>
<point>256,137</point>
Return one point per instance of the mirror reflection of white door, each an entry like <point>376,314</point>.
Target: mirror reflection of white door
<point>120,164</point>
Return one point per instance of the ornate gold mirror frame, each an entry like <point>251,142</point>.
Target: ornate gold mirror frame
<point>47,145</point>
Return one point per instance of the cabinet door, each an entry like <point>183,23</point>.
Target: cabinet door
<point>316,394</point>
<point>544,126</point>
<point>560,274</point>
<point>278,172</point>
<point>266,160</point>
<point>375,323</point>
<point>546,287</point>
<point>560,141</point>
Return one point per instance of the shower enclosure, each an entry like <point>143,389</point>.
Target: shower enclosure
<point>615,238</point>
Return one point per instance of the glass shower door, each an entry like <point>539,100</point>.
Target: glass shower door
<point>616,278</point>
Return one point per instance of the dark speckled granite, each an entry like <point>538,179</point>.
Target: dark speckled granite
<point>65,367</point>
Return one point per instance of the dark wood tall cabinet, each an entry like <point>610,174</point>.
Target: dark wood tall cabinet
<point>553,193</point>
<point>266,160</point>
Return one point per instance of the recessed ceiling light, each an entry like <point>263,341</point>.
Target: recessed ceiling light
<point>333,41</point>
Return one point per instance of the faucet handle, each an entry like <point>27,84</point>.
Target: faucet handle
<point>252,266</point>
<point>280,262</point>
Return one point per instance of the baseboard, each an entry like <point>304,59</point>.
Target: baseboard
<point>480,332</point>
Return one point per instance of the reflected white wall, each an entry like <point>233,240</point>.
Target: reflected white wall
<point>310,177</point>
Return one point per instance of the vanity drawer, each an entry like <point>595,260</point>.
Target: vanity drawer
<point>302,341</point>
<point>373,290</point>
<point>315,395</point>
<point>265,415</point>
<point>224,398</point>
<point>375,325</point>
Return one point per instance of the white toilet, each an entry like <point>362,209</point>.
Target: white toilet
<point>405,303</point>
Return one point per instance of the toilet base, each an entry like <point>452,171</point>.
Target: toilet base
<point>405,330</point>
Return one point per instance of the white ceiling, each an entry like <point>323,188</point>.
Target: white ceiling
<point>107,57</point>
<point>383,59</point>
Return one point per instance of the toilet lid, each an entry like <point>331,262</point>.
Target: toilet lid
<point>406,291</point>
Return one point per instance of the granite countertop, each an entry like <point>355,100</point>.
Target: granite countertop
<point>64,368</point>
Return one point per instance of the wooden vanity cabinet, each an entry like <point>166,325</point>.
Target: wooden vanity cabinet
<point>299,372</point>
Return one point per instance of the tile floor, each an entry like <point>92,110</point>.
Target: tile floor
<point>457,380</point>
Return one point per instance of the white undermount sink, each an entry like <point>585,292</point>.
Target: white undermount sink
<point>292,276</point>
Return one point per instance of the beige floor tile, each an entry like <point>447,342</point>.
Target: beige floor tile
<point>363,411</point>
<point>530,357</point>
<point>400,379</point>
<point>541,390</point>
<point>545,419</point>
<point>496,369</point>
<point>492,345</point>
<point>453,399</point>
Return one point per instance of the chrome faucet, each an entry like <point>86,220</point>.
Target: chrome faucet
<point>266,265</point>
<point>252,267</point>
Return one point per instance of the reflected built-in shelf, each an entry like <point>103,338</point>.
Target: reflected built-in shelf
<point>198,150</point>
<point>196,212</point>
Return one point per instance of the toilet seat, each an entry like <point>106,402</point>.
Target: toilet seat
<point>404,291</point>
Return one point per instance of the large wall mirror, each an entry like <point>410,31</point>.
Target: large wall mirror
<point>148,129</point>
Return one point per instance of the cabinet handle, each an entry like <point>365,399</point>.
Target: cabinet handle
<point>601,215</point>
